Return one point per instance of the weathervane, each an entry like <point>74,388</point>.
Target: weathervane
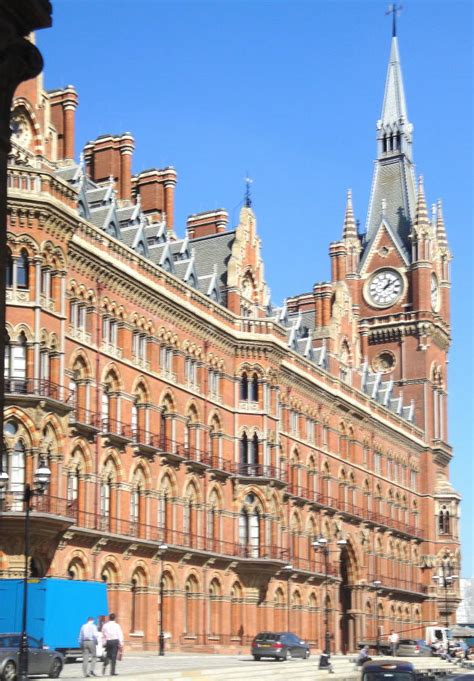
<point>248,198</point>
<point>394,10</point>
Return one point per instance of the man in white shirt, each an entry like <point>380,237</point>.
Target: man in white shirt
<point>394,639</point>
<point>88,637</point>
<point>113,639</point>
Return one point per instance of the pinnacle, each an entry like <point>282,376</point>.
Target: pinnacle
<point>350,228</point>
<point>421,212</point>
<point>440,228</point>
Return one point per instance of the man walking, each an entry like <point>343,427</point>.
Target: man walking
<point>113,639</point>
<point>394,639</point>
<point>88,638</point>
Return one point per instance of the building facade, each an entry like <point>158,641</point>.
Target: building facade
<point>200,439</point>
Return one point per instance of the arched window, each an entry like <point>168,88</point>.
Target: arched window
<point>15,466</point>
<point>254,388</point>
<point>236,626</point>
<point>215,607</point>
<point>249,527</point>
<point>9,269</point>
<point>444,521</point>
<point>254,452</point>
<point>22,278</point>
<point>244,451</point>
<point>244,387</point>
<point>105,495</point>
<point>191,623</point>
<point>15,364</point>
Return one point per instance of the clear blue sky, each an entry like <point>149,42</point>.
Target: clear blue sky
<point>289,91</point>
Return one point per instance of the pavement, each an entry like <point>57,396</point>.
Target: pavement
<point>141,666</point>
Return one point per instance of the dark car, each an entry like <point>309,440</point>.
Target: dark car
<point>40,659</point>
<point>388,670</point>
<point>280,645</point>
<point>410,647</point>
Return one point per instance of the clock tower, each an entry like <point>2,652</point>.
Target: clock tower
<point>401,283</point>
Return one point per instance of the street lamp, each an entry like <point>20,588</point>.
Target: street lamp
<point>162,548</point>
<point>321,545</point>
<point>41,479</point>
<point>445,580</point>
<point>288,568</point>
<point>376,584</point>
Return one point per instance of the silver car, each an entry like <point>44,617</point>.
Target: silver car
<point>40,660</point>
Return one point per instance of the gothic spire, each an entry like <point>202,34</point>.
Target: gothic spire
<point>393,181</point>
<point>350,228</point>
<point>440,228</point>
<point>421,212</point>
<point>394,108</point>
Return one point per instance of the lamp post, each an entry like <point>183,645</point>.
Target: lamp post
<point>41,479</point>
<point>376,584</point>
<point>161,639</point>
<point>445,580</point>
<point>288,568</point>
<point>321,545</point>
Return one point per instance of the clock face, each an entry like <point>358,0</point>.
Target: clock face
<point>385,287</point>
<point>434,293</point>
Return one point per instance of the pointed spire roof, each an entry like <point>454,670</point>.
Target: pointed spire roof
<point>394,108</point>
<point>421,211</point>
<point>393,180</point>
<point>440,228</point>
<point>350,228</point>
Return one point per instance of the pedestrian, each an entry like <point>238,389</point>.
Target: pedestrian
<point>325,662</point>
<point>88,639</point>
<point>464,648</point>
<point>363,656</point>
<point>113,639</point>
<point>394,639</point>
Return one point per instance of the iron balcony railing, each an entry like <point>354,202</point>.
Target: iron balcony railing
<point>257,470</point>
<point>111,426</point>
<point>40,387</point>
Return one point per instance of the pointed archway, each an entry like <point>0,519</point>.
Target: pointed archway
<point>347,606</point>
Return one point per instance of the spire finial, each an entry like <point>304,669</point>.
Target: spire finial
<point>248,198</point>
<point>350,229</point>
<point>394,10</point>
<point>421,212</point>
<point>440,228</point>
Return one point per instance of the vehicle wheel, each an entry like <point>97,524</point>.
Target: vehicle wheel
<point>287,655</point>
<point>9,671</point>
<point>56,669</point>
<point>307,653</point>
<point>256,658</point>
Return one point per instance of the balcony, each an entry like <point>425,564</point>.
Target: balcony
<point>198,459</point>
<point>145,442</point>
<point>256,472</point>
<point>48,514</point>
<point>116,432</point>
<point>85,422</point>
<point>301,492</point>
<point>393,524</point>
<point>30,392</point>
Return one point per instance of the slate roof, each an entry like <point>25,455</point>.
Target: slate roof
<point>213,251</point>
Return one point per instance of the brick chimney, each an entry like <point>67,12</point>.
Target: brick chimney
<point>111,156</point>
<point>63,107</point>
<point>156,191</point>
<point>207,223</point>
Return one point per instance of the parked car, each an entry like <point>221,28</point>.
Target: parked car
<point>388,670</point>
<point>280,645</point>
<point>409,647</point>
<point>40,660</point>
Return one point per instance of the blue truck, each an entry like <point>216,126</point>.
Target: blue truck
<point>56,609</point>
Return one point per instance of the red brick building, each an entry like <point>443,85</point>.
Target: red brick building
<point>199,435</point>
